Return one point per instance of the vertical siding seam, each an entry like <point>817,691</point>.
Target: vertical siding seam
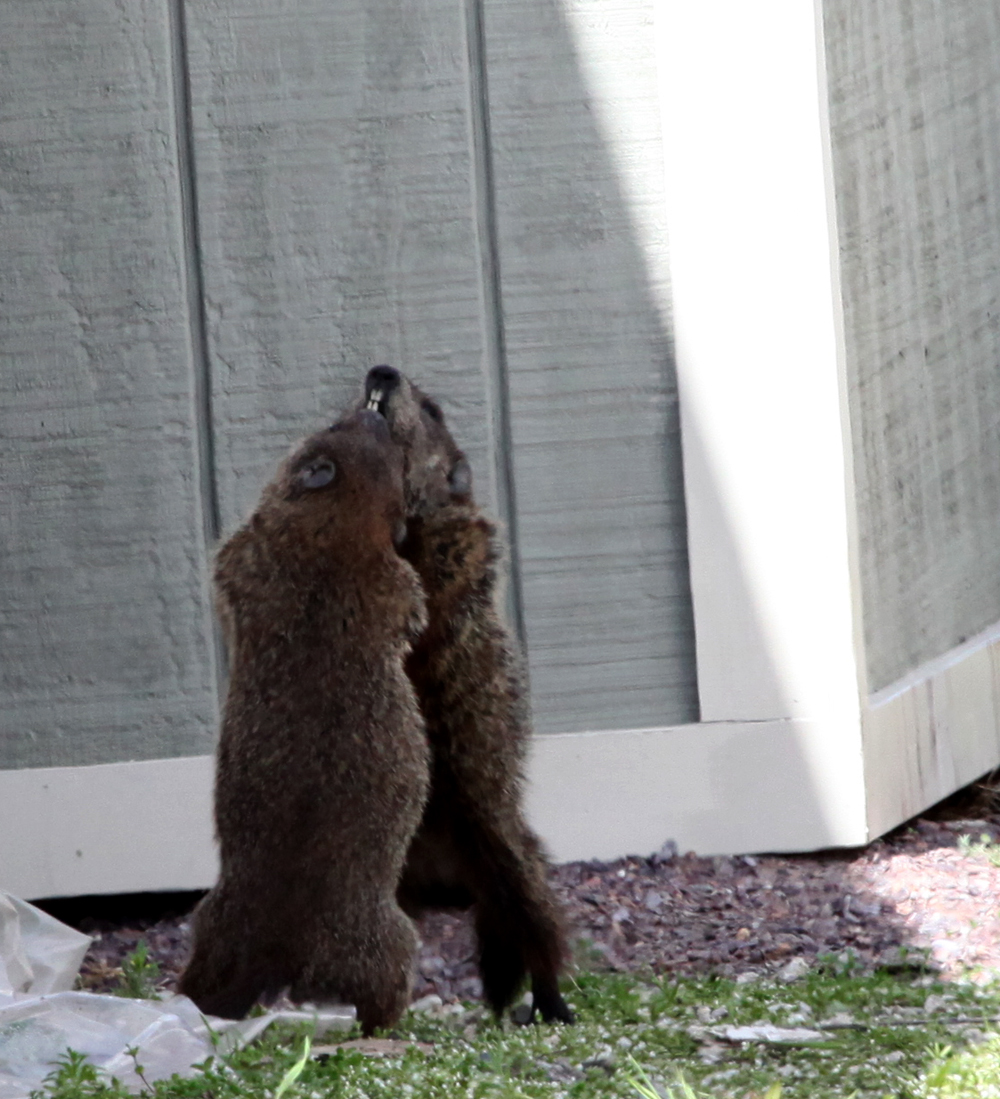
<point>495,343</point>
<point>194,288</point>
<point>193,275</point>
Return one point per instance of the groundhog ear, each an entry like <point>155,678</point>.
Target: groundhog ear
<point>460,478</point>
<point>317,474</point>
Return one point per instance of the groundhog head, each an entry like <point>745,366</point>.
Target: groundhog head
<point>435,470</point>
<point>341,487</point>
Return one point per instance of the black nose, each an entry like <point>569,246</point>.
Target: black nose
<point>384,378</point>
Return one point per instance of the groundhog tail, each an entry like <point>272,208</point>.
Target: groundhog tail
<point>502,966</point>
<point>520,928</point>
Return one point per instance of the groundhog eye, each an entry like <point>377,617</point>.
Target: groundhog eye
<point>460,478</point>
<point>318,475</point>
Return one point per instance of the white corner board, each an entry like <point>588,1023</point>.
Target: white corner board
<point>756,313</point>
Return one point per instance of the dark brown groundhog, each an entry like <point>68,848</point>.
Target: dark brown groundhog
<point>473,846</point>
<point>322,768</point>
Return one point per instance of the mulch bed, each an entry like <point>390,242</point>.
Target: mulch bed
<point>911,898</point>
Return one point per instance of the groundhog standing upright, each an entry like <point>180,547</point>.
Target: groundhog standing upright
<point>474,846</point>
<point>323,762</point>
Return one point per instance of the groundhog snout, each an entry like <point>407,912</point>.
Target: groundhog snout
<point>380,384</point>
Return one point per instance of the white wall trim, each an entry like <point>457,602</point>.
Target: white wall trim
<point>933,731</point>
<point>110,828</point>
<point>723,787</point>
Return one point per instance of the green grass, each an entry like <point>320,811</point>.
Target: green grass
<point>985,848</point>
<point>900,1036</point>
<point>140,974</point>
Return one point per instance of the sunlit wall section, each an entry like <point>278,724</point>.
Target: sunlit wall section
<point>915,115</point>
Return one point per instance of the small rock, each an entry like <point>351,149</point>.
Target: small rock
<point>943,951</point>
<point>793,971</point>
<point>521,1015</point>
<point>470,988</point>
<point>654,901</point>
<point>748,977</point>
<point>373,1047</point>
<point>723,865</point>
<point>667,853</point>
<point>768,1033</point>
<point>561,1072</point>
<point>712,1053</point>
<point>431,965</point>
<point>427,1003</point>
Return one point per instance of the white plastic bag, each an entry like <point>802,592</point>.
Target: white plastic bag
<point>35,1031</point>
<point>40,1019</point>
<point>38,954</point>
<point>168,1037</point>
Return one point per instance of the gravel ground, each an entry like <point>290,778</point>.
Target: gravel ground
<point>913,897</point>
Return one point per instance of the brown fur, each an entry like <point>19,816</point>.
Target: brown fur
<point>474,846</point>
<point>322,764</point>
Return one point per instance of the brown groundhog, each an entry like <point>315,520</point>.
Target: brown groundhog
<point>322,768</point>
<point>473,846</point>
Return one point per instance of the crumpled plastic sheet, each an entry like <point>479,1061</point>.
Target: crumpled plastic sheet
<point>40,1018</point>
<point>37,953</point>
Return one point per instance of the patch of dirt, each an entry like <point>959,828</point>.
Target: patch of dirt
<point>911,898</point>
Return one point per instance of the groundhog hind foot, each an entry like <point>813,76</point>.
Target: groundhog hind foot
<point>547,1003</point>
<point>378,1006</point>
<point>373,971</point>
<point>230,999</point>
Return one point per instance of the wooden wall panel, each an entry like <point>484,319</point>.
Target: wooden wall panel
<point>914,102</point>
<point>577,160</point>
<point>104,628</point>
<point>333,165</point>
